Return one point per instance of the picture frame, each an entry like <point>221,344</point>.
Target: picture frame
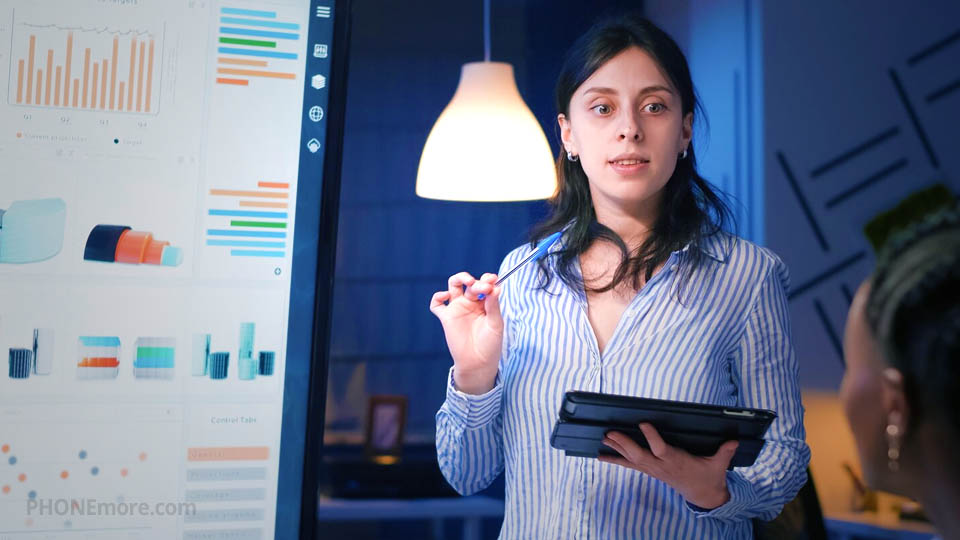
<point>384,430</point>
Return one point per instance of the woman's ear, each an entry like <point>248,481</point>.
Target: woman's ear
<point>686,131</point>
<point>565,133</point>
<point>894,400</point>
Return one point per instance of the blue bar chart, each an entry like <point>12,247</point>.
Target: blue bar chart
<point>250,223</point>
<point>253,44</point>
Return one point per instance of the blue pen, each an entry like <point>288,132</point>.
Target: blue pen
<point>537,254</point>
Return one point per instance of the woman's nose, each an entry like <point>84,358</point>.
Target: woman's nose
<point>630,129</point>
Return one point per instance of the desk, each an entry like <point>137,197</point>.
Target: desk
<point>471,509</point>
<point>852,526</point>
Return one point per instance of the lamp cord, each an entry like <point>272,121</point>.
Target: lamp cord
<point>486,30</point>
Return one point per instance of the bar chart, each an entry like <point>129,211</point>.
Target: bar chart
<point>250,223</point>
<point>81,67</point>
<point>254,44</point>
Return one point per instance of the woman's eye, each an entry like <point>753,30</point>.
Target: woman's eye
<point>602,109</point>
<point>655,108</point>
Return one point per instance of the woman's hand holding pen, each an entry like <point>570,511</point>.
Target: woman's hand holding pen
<point>473,329</point>
<point>702,481</point>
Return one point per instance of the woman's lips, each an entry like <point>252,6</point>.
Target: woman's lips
<point>629,166</point>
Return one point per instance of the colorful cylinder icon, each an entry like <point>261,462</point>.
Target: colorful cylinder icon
<point>246,365</point>
<point>219,365</point>
<point>200,364</point>
<point>20,362</point>
<point>32,231</point>
<point>42,351</point>
<point>154,358</point>
<point>99,357</point>
<point>266,363</point>
<point>120,243</point>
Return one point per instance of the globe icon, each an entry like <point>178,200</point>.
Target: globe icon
<point>316,113</point>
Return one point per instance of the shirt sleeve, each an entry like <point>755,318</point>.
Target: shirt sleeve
<point>470,427</point>
<point>470,438</point>
<point>766,372</point>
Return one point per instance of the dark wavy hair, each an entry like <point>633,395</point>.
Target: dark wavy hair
<point>913,311</point>
<point>691,210</point>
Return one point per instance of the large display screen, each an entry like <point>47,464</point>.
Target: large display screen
<point>160,164</point>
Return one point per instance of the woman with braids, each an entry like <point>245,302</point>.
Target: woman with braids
<point>901,389</point>
<point>643,295</point>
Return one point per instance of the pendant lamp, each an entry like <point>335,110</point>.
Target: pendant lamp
<point>486,145</point>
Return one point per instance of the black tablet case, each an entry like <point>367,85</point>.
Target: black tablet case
<point>585,417</point>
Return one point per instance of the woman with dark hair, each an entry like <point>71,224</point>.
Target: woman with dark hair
<point>643,295</point>
<point>901,388</point>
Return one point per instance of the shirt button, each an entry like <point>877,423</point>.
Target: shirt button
<point>673,267</point>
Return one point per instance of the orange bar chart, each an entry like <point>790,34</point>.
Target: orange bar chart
<point>76,68</point>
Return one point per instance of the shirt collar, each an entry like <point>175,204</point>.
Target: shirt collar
<point>715,246</point>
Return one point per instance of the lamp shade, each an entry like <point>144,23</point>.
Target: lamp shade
<point>486,145</point>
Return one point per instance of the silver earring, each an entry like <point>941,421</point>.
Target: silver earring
<point>893,447</point>
<point>572,157</point>
<point>684,154</point>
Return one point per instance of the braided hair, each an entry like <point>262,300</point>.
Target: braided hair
<point>913,311</point>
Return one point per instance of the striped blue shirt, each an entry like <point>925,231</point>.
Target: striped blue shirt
<point>727,343</point>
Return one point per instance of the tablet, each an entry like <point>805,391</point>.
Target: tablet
<point>697,428</point>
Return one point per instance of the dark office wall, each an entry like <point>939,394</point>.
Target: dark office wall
<point>862,104</point>
<point>395,249</point>
<point>722,42</point>
<point>857,106</point>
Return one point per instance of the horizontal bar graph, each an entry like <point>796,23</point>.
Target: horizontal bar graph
<point>254,52</point>
<point>248,213</point>
<point>251,234</point>
<point>250,42</point>
<point>238,82</point>
<point>262,204</point>
<point>241,193</point>
<point>247,253</point>
<point>249,228</point>
<point>264,224</point>
<point>247,243</point>
<point>97,69</point>
<point>257,22</point>
<point>241,62</point>
<point>255,38</point>
<point>249,12</point>
<point>256,73</point>
<point>257,33</point>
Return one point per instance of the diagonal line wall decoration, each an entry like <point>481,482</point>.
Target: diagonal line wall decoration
<point>872,123</point>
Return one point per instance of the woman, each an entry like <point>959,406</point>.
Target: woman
<point>901,388</point>
<point>643,295</point>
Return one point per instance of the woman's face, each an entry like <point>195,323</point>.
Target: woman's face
<point>863,394</point>
<point>627,126</point>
